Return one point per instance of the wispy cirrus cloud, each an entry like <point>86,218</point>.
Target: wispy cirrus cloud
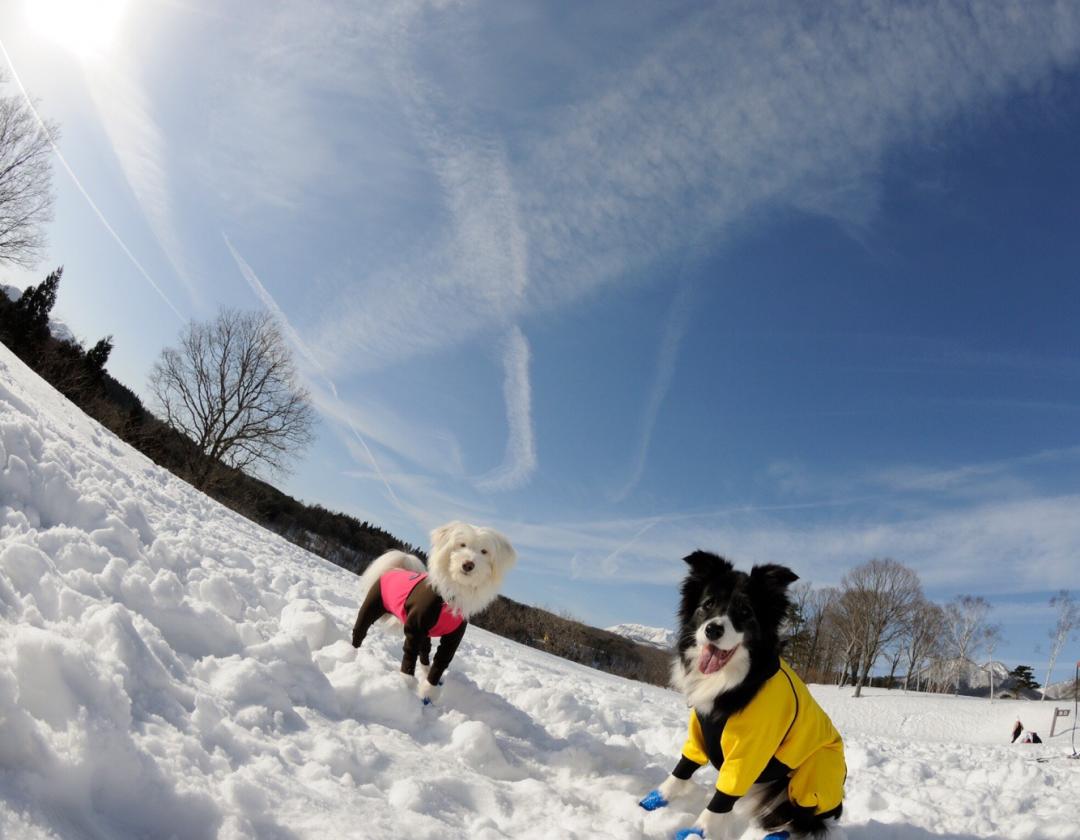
<point>995,548</point>
<point>334,409</point>
<point>520,460</point>
<point>140,148</point>
<point>966,477</point>
<point>480,197</point>
<point>675,325</point>
<point>691,131</point>
<point>748,105</point>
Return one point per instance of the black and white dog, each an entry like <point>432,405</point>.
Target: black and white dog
<point>751,716</point>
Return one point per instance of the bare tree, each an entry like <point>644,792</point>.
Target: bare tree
<point>965,624</point>
<point>878,597</point>
<point>990,640</point>
<point>894,653</point>
<point>26,197</point>
<point>845,628</point>
<point>819,612</point>
<point>231,388</point>
<point>1068,619</point>
<point>922,639</point>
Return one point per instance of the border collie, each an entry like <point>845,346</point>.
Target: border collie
<point>750,716</point>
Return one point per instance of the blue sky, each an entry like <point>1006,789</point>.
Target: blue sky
<point>797,284</point>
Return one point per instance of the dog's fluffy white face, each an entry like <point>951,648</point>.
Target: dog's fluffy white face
<point>467,565</point>
<point>718,661</point>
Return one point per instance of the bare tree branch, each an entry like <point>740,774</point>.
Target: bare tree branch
<point>965,624</point>
<point>26,197</point>
<point>231,388</point>
<point>1068,619</point>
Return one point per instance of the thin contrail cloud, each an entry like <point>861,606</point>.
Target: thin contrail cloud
<point>268,301</point>
<point>93,205</point>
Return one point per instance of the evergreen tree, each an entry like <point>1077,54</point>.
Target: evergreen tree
<point>31,313</point>
<point>1024,677</point>
<point>98,355</point>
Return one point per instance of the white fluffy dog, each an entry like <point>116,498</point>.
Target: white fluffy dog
<point>464,572</point>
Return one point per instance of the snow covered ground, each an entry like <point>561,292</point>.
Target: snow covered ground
<point>169,669</point>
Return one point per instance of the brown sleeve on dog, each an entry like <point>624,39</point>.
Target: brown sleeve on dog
<point>422,609</point>
<point>448,646</point>
<point>421,612</point>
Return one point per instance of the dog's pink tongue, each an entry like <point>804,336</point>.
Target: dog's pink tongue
<point>712,659</point>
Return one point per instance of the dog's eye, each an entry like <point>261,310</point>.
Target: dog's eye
<point>462,545</point>
<point>708,604</point>
<point>483,551</point>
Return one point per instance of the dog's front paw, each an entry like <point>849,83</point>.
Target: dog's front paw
<point>673,787</point>
<point>713,826</point>
<point>429,693</point>
<point>653,800</point>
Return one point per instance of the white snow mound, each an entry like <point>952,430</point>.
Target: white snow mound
<point>169,669</point>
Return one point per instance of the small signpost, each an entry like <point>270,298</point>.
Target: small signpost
<point>1058,713</point>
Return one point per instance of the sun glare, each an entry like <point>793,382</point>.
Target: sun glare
<point>86,27</point>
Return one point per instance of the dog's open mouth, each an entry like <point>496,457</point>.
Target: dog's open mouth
<point>713,659</point>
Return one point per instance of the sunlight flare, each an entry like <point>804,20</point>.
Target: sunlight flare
<point>84,27</point>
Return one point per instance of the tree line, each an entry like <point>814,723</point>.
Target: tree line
<point>878,618</point>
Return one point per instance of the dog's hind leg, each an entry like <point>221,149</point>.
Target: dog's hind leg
<point>370,611</point>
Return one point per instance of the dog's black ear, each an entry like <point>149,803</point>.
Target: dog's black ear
<point>773,577</point>
<point>703,563</point>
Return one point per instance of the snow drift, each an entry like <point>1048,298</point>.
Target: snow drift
<point>169,669</point>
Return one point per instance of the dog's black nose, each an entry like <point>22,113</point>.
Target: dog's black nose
<point>469,566</point>
<point>714,631</point>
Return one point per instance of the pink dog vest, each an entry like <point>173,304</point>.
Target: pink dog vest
<point>398,584</point>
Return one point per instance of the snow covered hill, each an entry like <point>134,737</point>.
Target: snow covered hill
<point>169,669</point>
<point>655,636</point>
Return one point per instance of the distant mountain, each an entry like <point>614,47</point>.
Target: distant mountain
<point>658,637</point>
<point>974,677</point>
<point>1064,690</point>
<point>13,292</point>
<point>61,332</point>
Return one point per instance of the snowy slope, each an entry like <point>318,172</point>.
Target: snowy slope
<point>655,636</point>
<point>169,669</point>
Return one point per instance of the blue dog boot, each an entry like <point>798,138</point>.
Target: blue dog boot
<point>653,801</point>
<point>687,833</point>
<point>777,835</point>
